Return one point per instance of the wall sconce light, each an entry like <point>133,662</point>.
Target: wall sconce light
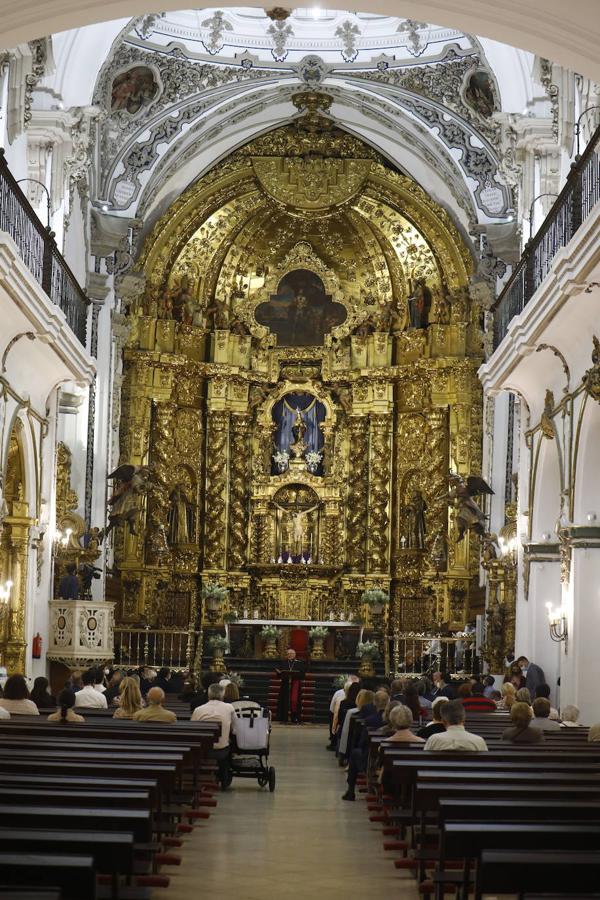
<point>557,620</point>
<point>591,517</point>
<point>62,538</point>
<point>508,548</point>
<point>5,589</point>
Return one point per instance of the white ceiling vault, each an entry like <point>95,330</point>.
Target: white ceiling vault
<point>426,97</point>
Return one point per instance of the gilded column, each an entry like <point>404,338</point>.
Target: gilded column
<point>379,494</point>
<point>358,490</point>
<point>238,491</point>
<point>18,552</point>
<point>215,520</point>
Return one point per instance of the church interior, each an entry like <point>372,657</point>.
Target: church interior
<point>299,425</point>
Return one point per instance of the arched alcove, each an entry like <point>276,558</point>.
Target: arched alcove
<point>545,499</point>
<point>586,494</point>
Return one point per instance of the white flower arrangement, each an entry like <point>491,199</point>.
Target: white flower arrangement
<point>313,460</point>
<point>281,458</point>
<point>319,631</point>
<point>367,648</point>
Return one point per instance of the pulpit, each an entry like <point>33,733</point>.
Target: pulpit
<point>81,632</point>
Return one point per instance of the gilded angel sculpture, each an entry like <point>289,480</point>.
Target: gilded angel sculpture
<point>469,516</point>
<point>130,483</point>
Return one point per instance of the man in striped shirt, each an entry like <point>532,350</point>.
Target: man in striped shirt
<point>477,702</point>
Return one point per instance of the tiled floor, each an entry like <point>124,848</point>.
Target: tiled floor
<point>300,842</point>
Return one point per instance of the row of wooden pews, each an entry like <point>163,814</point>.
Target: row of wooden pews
<point>95,810</point>
<point>520,819</point>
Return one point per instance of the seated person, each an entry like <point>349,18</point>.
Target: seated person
<point>524,696</point>
<point>130,699</point>
<point>155,711</point>
<point>40,694</point>
<point>65,712</point>
<point>522,731</point>
<point>489,686</point>
<point>114,688</point>
<point>594,733</point>
<point>543,690</point>
<point>215,710</point>
<point>570,716</point>
<point>88,695</point>
<point>456,737</point>
<point>231,693</point>
<point>386,728</point>
<point>541,715</point>
<point>16,700</point>
<point>507,695</point>
<point>477,702</point>
<point>436,726</point>
<point>401,719</point>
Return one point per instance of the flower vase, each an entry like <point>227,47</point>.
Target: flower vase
<point>317,650</point>
<point>366,668</point>
<point>270,651</point>
<point>218,663</point>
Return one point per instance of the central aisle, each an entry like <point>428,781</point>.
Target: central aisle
<point>302,841</point>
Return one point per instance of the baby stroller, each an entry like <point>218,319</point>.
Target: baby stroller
<point>250,745</point>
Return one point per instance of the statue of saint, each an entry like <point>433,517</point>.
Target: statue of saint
<point>299,446</point>
<point>180,517</point>
<point>415,521</point>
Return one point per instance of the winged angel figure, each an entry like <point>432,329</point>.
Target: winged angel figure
<point>131,482</point>
<point>469,516</point>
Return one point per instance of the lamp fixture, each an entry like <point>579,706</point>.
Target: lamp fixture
<point>5,589</point>
<point>508,548</point>
<point>559,629</point>
<point>61,539</point>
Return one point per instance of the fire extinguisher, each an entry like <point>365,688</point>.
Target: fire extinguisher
<point>36,646</point>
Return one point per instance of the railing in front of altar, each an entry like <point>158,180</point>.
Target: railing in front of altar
<point>422,654</point>
<point>155,647</point>
<point>39,252</point>
<point>572,207</point>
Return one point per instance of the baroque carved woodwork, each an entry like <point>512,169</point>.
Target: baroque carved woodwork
<point>288,465</point>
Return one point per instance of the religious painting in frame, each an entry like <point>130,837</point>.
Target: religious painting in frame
<point>301,313</point>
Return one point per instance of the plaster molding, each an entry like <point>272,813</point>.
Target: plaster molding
<point>71,358</point>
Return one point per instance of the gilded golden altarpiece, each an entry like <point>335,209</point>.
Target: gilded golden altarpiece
<point>400,402</point>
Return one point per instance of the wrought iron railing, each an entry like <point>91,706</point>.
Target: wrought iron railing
<point>155,647</point>
<point>572,207</point>
<point>423,654</point>
<point>39,252</point>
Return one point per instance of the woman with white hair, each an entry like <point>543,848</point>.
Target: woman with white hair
<point>401,718</point>
<point>570,716</point>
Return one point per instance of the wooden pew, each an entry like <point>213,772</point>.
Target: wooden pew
<point>510,871</point>
<point>74,875</point>
<point>112,852</point>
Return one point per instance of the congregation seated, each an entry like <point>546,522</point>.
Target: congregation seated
<point>16,700</point>
<point>130,701</point>
<point>401,721</point>
<point>455,737</point>
<point>594,733</point>
<point>216,710</point>
<point>65,712</point>
<point>363,699</point>
<point>541,715</point>
<point>436,726</point>
<point>508,696</point>
<point>476,702</point>
<point>570,716</point>
<point>523,695</point>
<point>386,729</point>
<point>89,696</point>
<point>40,694</point>
<point>489,686</point>
<point>543,690</point>
<point>372,713</point>
<point>441,687</point>
<point>231,692</point>
<point>163,679</point>
<point>114,687</point>
<point>155,711</point>
<point>522,730</point>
